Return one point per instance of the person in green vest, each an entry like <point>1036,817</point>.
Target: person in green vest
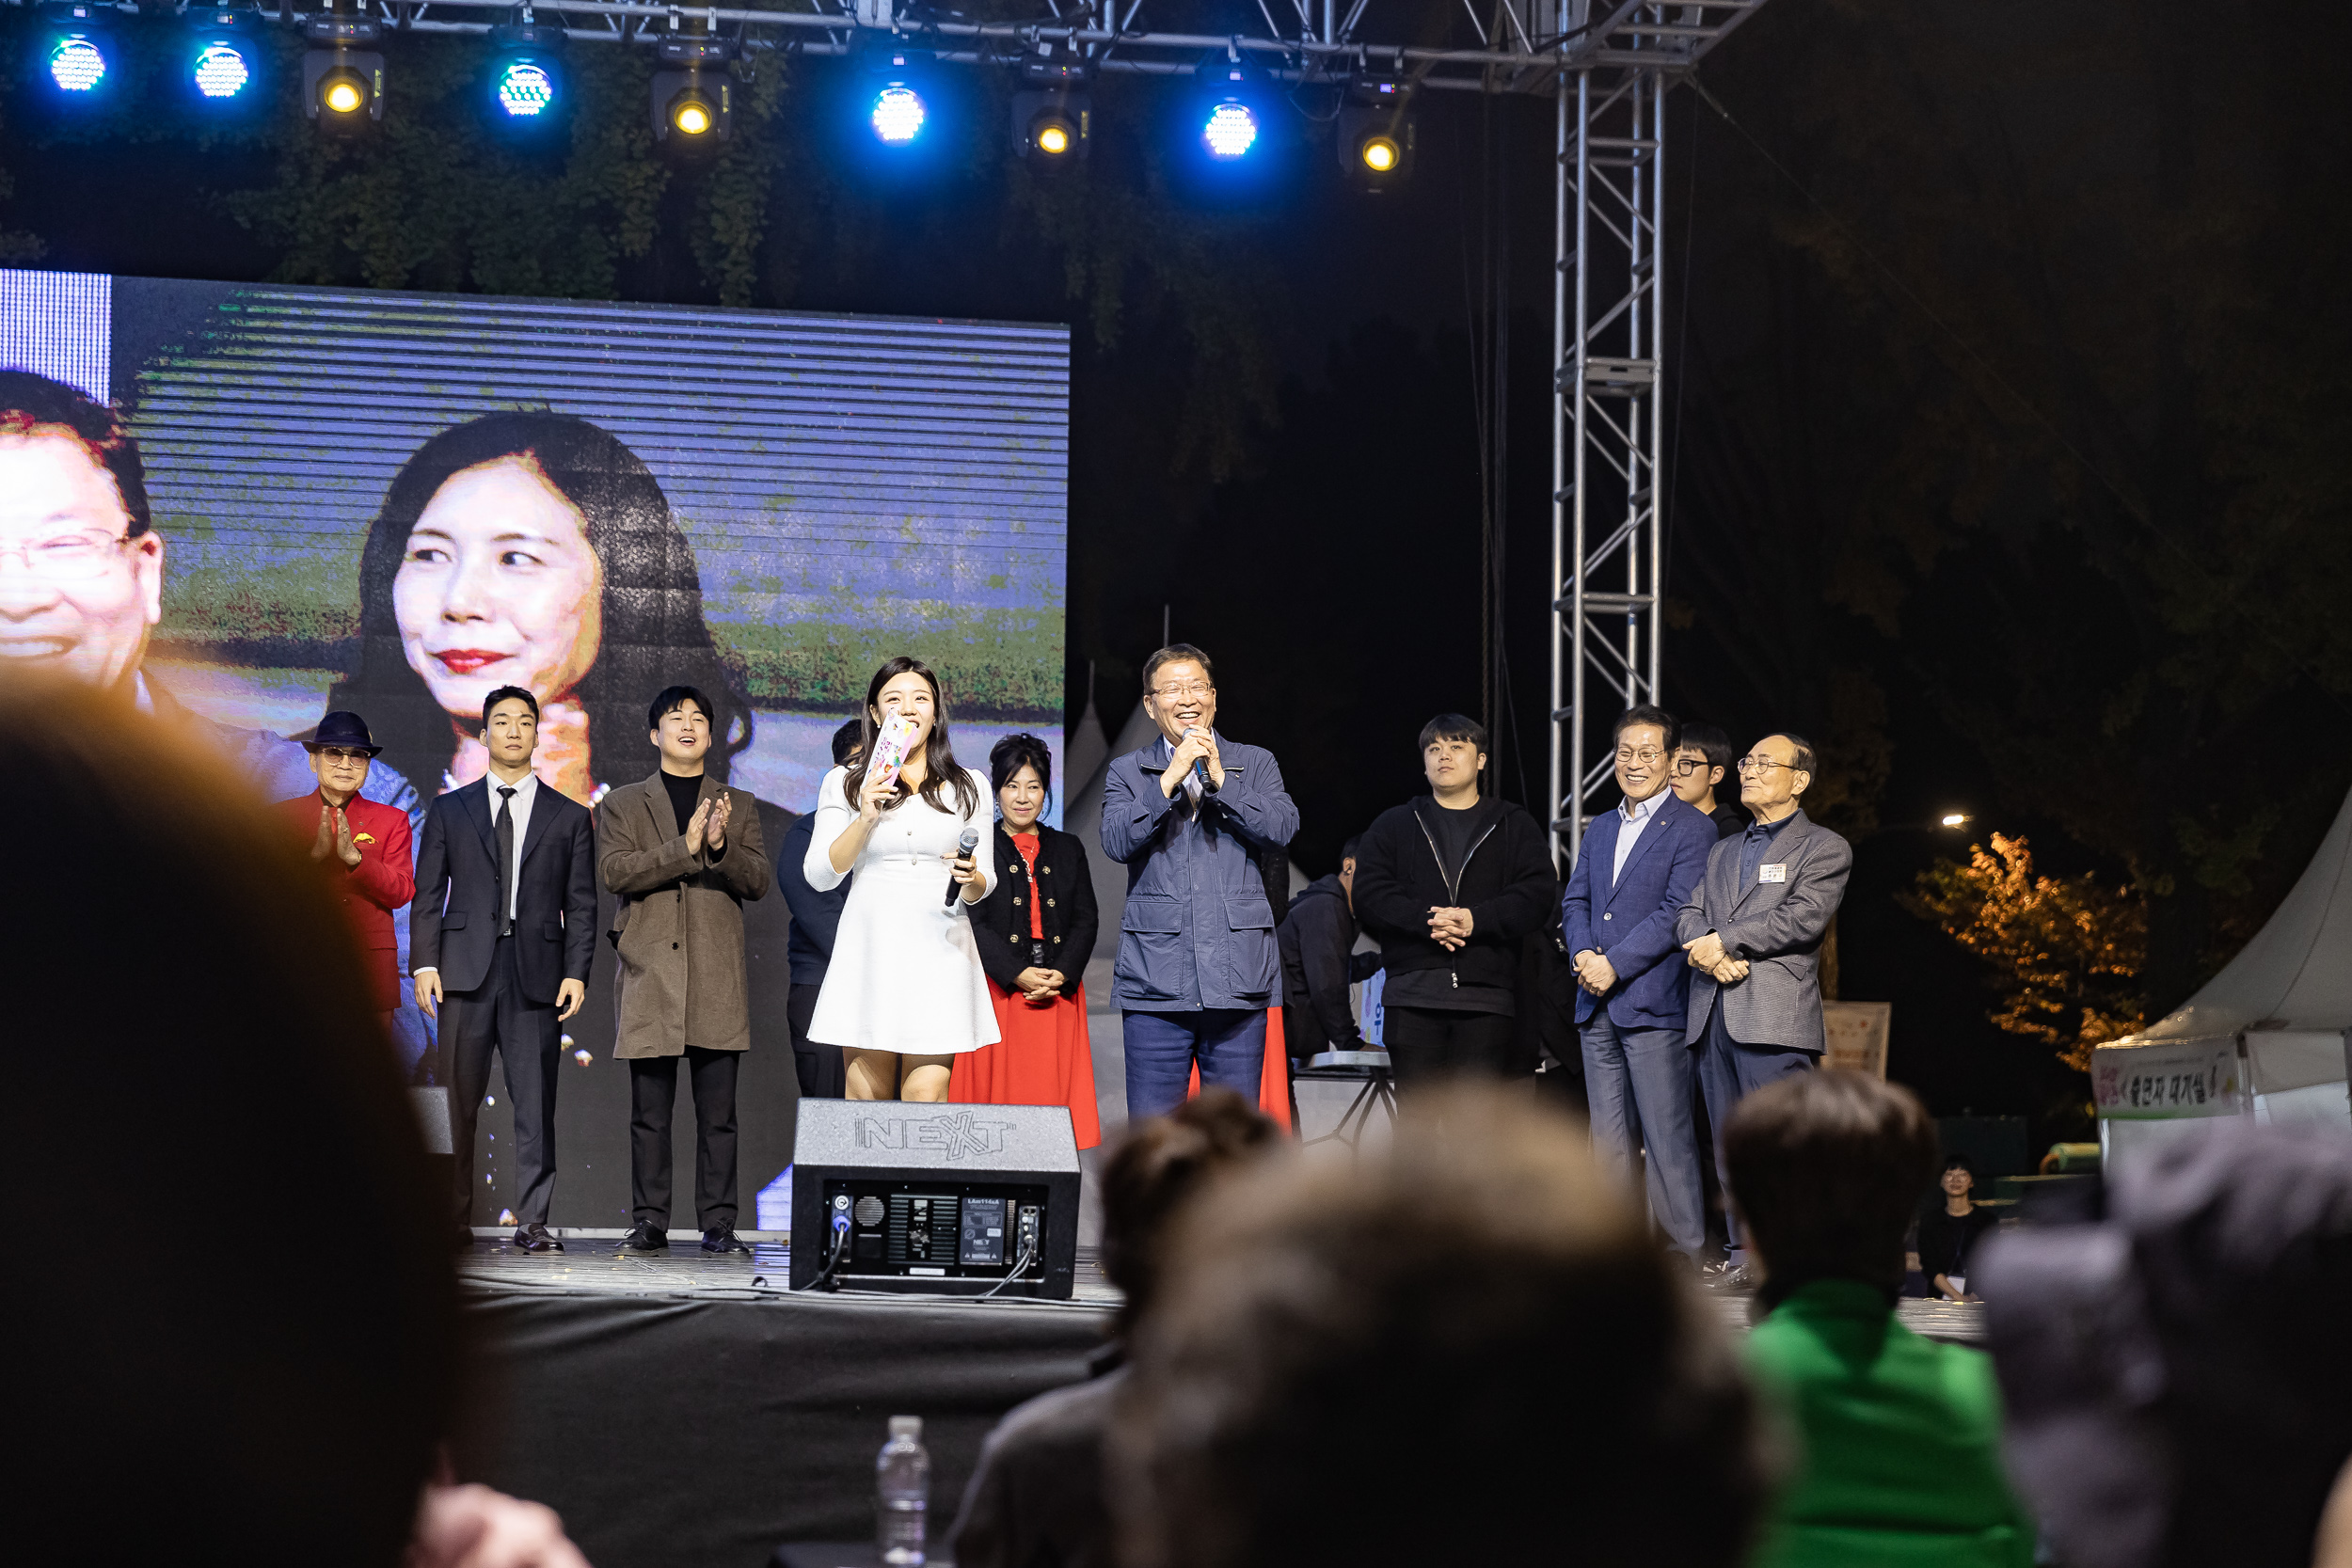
<point>1895,1439</point>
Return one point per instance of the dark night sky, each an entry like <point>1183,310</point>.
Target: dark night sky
<point>1956,402</point>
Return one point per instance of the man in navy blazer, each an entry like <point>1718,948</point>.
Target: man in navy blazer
<point>1635,870</point>
<point>502,934</point>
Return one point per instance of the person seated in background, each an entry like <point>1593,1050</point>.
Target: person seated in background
<point>1465,1349</point>
<point>1702,762</point>
<point>2176,1369</point>
<point>815,918</point>
<point>1318,942</point>
<point>1898,1435</point>
<point>266,1404</point>
<point>1036,1498</point>
<point>1949,1232</point>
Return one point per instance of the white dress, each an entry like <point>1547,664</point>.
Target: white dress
<point>905,974</point>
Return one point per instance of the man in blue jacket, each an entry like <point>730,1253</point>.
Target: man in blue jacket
<point>1188,816</point>
<point>1637,865</point>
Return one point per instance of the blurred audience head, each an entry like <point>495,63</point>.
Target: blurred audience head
<point>261,1369</point>
<point>2175,1367</point>
<point>1406,1360</point>
<point>1827,1170</point>
<point>1154,1167</point>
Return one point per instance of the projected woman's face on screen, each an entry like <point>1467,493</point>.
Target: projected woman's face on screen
<point>499,587</point>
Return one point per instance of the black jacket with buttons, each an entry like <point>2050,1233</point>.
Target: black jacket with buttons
<point>1001,919</point>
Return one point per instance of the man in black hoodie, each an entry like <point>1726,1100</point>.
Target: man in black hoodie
<point>1451,883</point>
<point>1318,942</point>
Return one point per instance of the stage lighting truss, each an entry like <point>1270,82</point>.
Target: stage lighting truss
<point>222,62</point>
<point>526,81</point>
<point>1376,133</point>
<point>897,94</point>
<point>78,59</point>
<point>343,73</point>
<point>694,92</point>
<point>1231,110</point>
<point>1053,114</point>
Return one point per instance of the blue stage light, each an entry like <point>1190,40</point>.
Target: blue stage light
<point>526,89</point>
<point>220,70</point>
<point>898,114</point>
<point>76,63</point>
<point>1231,131</point>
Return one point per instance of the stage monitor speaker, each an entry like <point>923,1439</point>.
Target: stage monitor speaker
<point>897,1194</point>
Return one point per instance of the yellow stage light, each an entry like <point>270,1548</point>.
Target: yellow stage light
<point>1053,139</point>
<point>345,97</point>
<point>690,118</point>
<point>1379,155</point>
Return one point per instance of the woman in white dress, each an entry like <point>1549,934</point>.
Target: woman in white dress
<point>904,993</point>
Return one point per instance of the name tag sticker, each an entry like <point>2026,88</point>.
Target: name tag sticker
<point>1772,873</point>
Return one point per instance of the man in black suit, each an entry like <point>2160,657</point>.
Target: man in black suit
<point>504,925</point>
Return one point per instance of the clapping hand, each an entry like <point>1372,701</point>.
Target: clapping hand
<point>695,827</point>
<point>715,830</point>
<point>346,850</point>
<point>323,843</point>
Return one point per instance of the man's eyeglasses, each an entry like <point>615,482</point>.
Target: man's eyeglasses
<point>1190,689</point>
<point>66,557</point>
<point>1757,765</point>
<point>1646,755</point>
<point>339,754</point>
<point>1685,766</point>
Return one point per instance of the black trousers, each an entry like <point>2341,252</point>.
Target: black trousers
<point>652,1095</point>
<point>823,1071</point>
<point>496,1016</point>
<point>1427,1044</point>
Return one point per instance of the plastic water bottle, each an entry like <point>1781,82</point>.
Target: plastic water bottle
<point>902,1493</point>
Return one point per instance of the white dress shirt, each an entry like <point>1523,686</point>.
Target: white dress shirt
<point>525,793</point>
<point>1636,816</point>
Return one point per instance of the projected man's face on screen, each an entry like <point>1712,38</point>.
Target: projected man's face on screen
<point>77,595</point>
<point>499,587</point>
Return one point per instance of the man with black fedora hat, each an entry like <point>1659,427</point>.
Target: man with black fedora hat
<point>359,846</point>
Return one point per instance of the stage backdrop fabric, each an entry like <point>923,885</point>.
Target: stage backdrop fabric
<point>850,488</point>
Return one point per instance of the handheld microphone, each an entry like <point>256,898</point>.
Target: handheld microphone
<point>966,842</point>
<point>1200,772</point>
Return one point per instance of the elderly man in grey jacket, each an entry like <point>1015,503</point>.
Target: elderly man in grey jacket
<point>1753,928</point>
<point>1188,816</point>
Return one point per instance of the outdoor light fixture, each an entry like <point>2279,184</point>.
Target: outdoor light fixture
<point>77,60</point>
<point>526,79</point>
<point>224,58</point>
<point>1955,819</point>
<point>694,93</point>
<point>897,106</point>
<point>1228,112</point>
<point>342,74</point>
<point>1375,133</point>
<point>1053,113</point>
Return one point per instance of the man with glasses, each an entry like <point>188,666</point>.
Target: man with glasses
<point>360,845</point>
<point>1188,816</point>
<point>1634,870</point>
<point>1702,763</point>
<point>1753,928</point>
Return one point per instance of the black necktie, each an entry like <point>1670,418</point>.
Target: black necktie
<point>507,856</point>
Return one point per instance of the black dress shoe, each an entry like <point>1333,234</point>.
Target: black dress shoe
<point>535,1238</point>
<point>724,1239</point>
<point>644,1237</point>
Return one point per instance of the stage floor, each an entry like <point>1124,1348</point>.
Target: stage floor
<point>593,1264</point>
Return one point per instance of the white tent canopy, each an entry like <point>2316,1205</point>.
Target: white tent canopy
<point>2267,1037</point>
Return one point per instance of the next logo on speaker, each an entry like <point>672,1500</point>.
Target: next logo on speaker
<point>956,1135</point>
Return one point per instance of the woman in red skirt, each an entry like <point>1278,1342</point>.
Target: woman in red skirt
<point>1035,931</point>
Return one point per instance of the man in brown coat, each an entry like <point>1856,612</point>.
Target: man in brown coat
<point>681,992</point>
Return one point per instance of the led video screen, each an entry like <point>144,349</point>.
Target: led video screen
<point>765,504</point>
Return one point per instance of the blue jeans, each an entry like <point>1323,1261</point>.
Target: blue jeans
<point>1227,1042</point>
<point>1639,1082</point>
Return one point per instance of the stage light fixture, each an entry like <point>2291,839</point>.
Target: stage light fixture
<point>343,78</point>
<point>1375,131</point>
<point>223,58</point>
<point>899,96</point>
<point>526,77</point>
<point>693,95</point>
<point>1228,108</point>
<point>1053,113</point>
<point>77,56</point>
<point>898,114</point>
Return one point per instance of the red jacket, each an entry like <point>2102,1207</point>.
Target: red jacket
<point>384,880</point>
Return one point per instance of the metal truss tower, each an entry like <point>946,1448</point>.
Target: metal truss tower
<point>1608,550</point>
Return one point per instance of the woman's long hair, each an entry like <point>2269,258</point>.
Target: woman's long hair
<point>653,632</point>
<point>939,758</point>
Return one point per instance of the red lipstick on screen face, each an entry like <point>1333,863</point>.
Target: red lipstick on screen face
<point>465,661</point>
